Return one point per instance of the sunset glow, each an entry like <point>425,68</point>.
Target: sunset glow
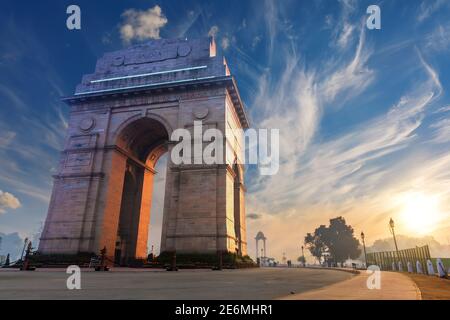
<point>421,212</point>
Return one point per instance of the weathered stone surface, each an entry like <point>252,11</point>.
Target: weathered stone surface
<point>121,120</point>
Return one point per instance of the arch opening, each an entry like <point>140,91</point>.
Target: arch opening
<point>157,209</point>
<point>143,142</point>
<point>238,209</point>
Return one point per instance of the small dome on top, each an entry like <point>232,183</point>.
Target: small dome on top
<point>260,236</point>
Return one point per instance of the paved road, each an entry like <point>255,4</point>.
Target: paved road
<point>266,283</point>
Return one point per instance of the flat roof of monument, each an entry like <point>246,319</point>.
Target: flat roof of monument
<point>156,65</point>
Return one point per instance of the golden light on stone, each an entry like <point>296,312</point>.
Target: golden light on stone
<point>120,123</point>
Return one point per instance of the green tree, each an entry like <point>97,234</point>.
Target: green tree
<point>337,240</point>
<point>341,242</point>
<point>302,260</point>
<point>315,244</point>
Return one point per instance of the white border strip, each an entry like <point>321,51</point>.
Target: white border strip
<point>143,86</point>
<point>147,74</point>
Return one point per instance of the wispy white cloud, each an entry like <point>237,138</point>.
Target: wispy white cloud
<point>225,43</point>
<point>441,131</point>
<point>26,163</point>
<point>213,31</point>
<point>8,201</point>
<point>434,77</point>
<point>350,79</point>
<point>438,39</point>
<point>142,25</point>
<point>329,20</point>
<point>13,100</point>
<point>345,35</point>
<point>6,138</point>
<point>181,29</point>
<point>347,174</point>
<point>349,5</point>
<point>271,21</point>
<point>37,192</point>
<point>256,40</point>
<point>428,8</point>
<point>443,109</point>
<point>344,28</point>
<point>295,105</point>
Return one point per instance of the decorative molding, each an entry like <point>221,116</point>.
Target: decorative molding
<point>200,112</point>
<point>79,175</point>
<point>86,124</point>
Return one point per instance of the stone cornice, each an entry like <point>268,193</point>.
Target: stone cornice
<point>79,175</point>
<point>175,91</point>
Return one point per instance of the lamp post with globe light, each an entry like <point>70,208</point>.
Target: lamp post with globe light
<point>391,227</point>
<point>303,256</point>
<point>364,246</point>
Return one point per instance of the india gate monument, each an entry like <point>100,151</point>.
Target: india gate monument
<point>122,118</point>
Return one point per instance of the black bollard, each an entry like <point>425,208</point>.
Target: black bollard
<point>219,261</point>
<point>103,266</point>
<point>173,267</point>
<point>26,263</point>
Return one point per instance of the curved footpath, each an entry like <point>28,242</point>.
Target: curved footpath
<point>393,286</point>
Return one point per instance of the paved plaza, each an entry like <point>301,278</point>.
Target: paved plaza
<point>266,283</point>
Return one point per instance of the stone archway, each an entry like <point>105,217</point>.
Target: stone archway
<point>144,141</point>
<point>121,120</point>
<point>239,208</point>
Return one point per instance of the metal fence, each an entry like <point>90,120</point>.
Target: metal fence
<point>389,260</point>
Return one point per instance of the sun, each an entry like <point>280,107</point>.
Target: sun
<point>421,212</point>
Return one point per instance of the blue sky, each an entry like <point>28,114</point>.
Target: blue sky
<point>364,115</point>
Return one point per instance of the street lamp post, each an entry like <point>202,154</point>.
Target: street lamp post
<point>364,246</point>
<point>24,247</point>
<point>391,227</point>
<point>303,257</point>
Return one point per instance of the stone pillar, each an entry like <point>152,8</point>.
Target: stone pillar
<point>419,267</point>
<point>430,268</point>
<point>237,215</point>
<point>265,253</point>
<point>442,273</point>
<point>410,267</point>
<point>144,216</point>
<point>109,203</point>
<point>195,210</point>
<point>257,249</point>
